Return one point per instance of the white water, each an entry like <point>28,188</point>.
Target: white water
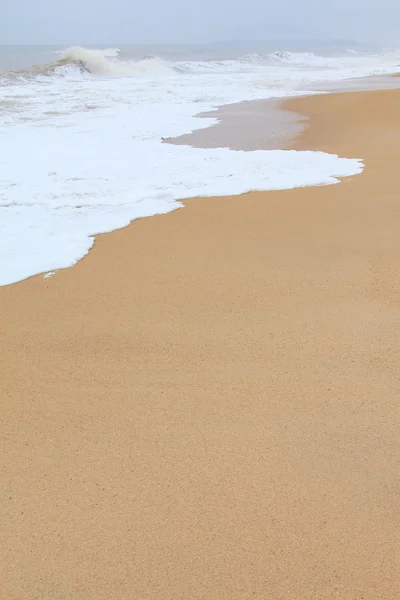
<point>81,149</point>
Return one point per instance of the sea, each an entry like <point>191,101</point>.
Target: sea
<point>83,130</point>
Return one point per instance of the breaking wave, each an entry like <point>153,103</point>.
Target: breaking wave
<point>106,63</point>
<point>101,63</point>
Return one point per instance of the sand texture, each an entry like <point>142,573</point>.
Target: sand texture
<point>207,407</point>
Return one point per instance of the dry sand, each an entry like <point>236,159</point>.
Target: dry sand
<point>208,405</point>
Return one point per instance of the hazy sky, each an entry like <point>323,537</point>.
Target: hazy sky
<point>59,22</point>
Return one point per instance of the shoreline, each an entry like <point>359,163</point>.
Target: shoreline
<point>263,125</point>
<point>249,126</point>
<point>206,405</point>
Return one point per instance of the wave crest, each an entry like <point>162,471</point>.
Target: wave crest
<point>106,63</point>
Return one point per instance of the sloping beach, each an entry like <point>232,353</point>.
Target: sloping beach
<point>206,406</point>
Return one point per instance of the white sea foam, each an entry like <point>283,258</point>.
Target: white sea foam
<point>81,149</point>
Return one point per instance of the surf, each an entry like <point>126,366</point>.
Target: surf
<point>106,63</point>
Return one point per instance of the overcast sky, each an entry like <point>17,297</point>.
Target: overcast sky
<point>59,22</point>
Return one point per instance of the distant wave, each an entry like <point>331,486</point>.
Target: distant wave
<point>352,59</point>
<point>296,58</point>
<point>248,62</point>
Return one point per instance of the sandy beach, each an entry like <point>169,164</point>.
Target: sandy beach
<point>207,406</point>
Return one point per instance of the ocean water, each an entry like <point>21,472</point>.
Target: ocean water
<point>81,138</point>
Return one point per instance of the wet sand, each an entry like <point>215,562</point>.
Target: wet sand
<point>262,125</point>
<point>253,125</point>
<point>207,406</point>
